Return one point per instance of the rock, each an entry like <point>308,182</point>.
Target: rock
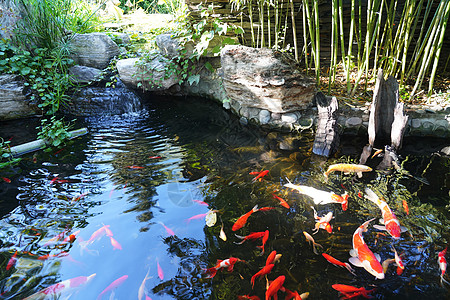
<point>149,76</point>
<point>264,116</point>
<point>14,103</point>
<point>167,45</point>
<point>120,38</point>
<point>83,74</point>
<point>93,49</point>
<point>266,79</point>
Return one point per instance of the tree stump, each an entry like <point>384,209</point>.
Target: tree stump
<point>326,141</point>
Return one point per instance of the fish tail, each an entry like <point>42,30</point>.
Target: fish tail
<point>315,248</point>
<point>370,195</point>
<point>443,280</point>
<point>212,272</point>
<point>349,268</point>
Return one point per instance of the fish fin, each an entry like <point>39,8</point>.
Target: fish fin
<point>359,174</point>
<point>377,256</point>
<point>381,220</point>
<point>386,263</point>
<point>349,268</point>
<point>355,261</point>
<point>255,208</point>
<point>403,229</point>
<point>379,227</point>
<point>353,253</point>
<point>366,265</point>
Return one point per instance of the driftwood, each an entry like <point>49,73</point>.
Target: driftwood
<point>387,121</point>
<point>326,141</point>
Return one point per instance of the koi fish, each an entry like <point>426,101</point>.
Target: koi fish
<point>350,291</point>
<point>168,230</point>
<point>264,241</point>
<point>7,180</point>
<point>113,285</point>
<point>267,208</point>
<point>155,157</point>
<point>134,167</point>
<point>272,258</point>
<point>222,234</point>
<point>264,271</point>
<point>227,263</point>
<point>386,264</point>
<point>390,221</point>
<point>47,256</point>
<point>310,239</point>
<point>12,261</point>
<point>251,236</point>
<point>290,294</point>
<point>405,206</point>
<point>247,297</point>
<point>243,219</point>
<point>196,217</point>
<point>362,256</point>
<point>398,262</point>
<point>75,199</point>
<point>65,286</point>
<point>282,201</point>
<point>115,244</point>
<point>260,175</point>
<point>200,202</point>
<point>55,239</point>
<point>338,263</point>
<point>320,197</point>
<point>347,169</point>
<point>160,271</point>
<point>141,290</point>
<point>322,222</point>
<point>377,152</point>
<point>274,287</point>
<point>442,264</point>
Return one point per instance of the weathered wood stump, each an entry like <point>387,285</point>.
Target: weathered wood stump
<point>326,141</point>
<point>387,121</point>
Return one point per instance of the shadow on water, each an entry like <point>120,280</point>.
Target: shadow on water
<point>129,201</point>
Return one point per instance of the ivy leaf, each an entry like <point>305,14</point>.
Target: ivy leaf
<point>193,79</point>
<point>209,67</point>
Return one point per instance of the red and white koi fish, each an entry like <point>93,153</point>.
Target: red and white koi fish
<point>338,263</point>
<point>168,230</point>
<point>398,262</point>
<point>390,221</point>
<point>442,264</point>
<point>63,287</point>
<point>349,291</point>
<point>362,256</point>
<point>71,238</point>
<point>282,201</point>
<point>251,236</point>
<point>264,271</point>
<point>273,257</point>
<point>264,241</point>
<point>227,263</point>
<point>141,290</point>
<point>320,197</point>
<point>160,271</point>
<point>12,261</point>
<point>322,222</point>
<point>243,219</point>
<point>113,285</point>
<point>274,287</point>
<point>347,169</point>
<point>260,175</point>
<point>310,239</point>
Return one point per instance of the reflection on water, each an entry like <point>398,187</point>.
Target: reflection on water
<point>127,203</point>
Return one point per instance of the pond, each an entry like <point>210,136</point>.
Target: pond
<point>126,207</point>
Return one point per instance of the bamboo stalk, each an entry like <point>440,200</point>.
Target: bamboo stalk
<point>350,44</point>
<point>294,29</point>
<point>305,39</point>
<point>269,40</point>
<point>317,56</point>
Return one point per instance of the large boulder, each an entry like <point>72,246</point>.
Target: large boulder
<point>93,49</point>
<point>265,79</point>
<point>149,76</point>
<point>14,100</point>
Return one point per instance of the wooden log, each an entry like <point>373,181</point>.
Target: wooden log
<point>327,135</point>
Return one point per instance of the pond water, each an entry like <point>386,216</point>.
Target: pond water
<point>151,176</point>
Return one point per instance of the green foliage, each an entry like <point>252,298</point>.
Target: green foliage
<point>152,6</point>
<point>6,157</point>
<point>54,132</point>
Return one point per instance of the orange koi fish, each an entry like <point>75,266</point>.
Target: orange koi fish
<point>290,294</point>
<point>362,256</point>
<point>347,169</point>
<point>272,258</point>
<point>320,197</point>
<point>282,201</point>
<point>7,180</point>
<point>322,222</point>
<point>113,285</point>
<point>160,271</point>
<point>264,271</point>
<point>12,261</point>
<point>405,206</point>
<point>274,287</point>
<point>115,244</point>
<point>71,238</point>
<point>398,262</point>
<point>260,175</point>
<point>338,263</point>
<point>349,291</point>
<point>134,167</point>
<point>200,202</point>
<point>251,236</point>
<point>442,264</point>
<point>155,157</point>
<point>264,241</point>
<point>390,221</point>
<point>196,217</point>
<point>267,208</point>
<point>310,239</point>
<point>168,230</point>
<point>243,219</point>
<point>227,263</point>
<point>247,297</point>
<point>63,287</point>
<point>75,199</point>
<point>377,152</point>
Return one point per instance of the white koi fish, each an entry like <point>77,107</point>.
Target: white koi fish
<point>390,221</point>
<point>322,222</point>
<point>362,256</point>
